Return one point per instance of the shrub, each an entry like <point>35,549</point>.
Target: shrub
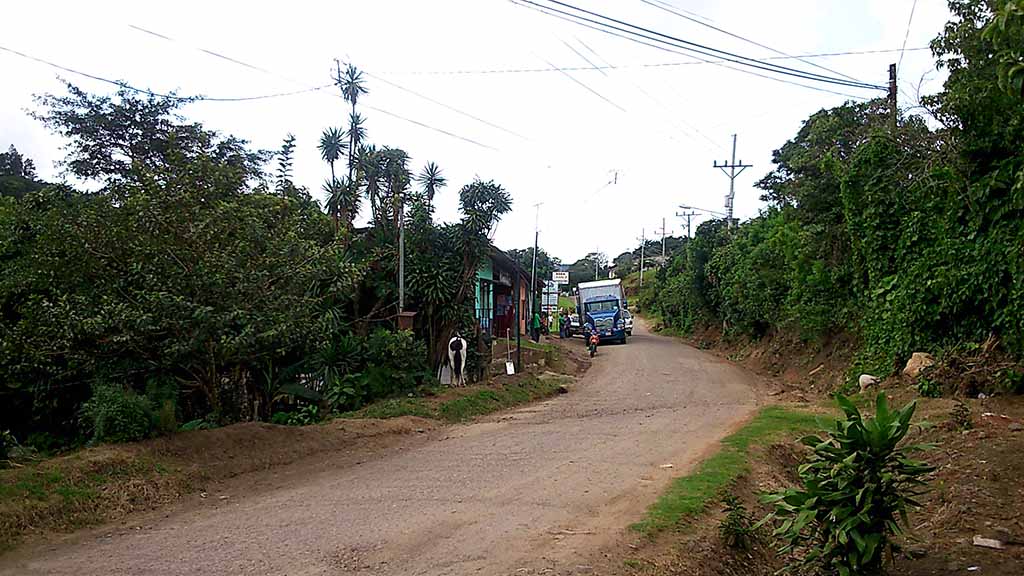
<point>736,530</point>
<point>115,414</point>
<point>928,388</point>
<point>856,487</point>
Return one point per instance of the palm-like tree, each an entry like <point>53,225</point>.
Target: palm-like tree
<point>332,146</point>
<point>342,200</point>
<point>356,130</point>
<point>432,180</point>
<point>352,87</point>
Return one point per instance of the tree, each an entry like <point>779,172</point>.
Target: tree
<point>12,163</point>
<point>353,86</point>
<point>129,140</point>
<point>546,264</point>
<point>1005,33</point>
<point>17,174</point>
<point>432,180</point>
<point>284,184</point>
<point>332,146</point>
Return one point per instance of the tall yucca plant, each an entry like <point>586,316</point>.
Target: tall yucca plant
<point>431,180</point>
<point>352,85</point>
<point>857,486</point>
<point>332,146</point>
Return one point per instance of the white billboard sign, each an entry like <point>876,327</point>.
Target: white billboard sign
<point>560,277</point>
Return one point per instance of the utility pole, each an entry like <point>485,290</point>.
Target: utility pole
<point>687,215</point>
<point>663,234</point>
<point>533,272</point>
<point>643,244</point>
<point>597,259</point>
<point>732,174</point>
<point>401,258</point>
<point>893,110</point>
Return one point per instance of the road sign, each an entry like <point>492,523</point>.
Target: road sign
<point>549,298</point>
<point>560,277</point>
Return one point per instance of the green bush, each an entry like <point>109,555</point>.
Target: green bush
<point>115,414</point>
<point>856,488</point>
<point>928,388</point>
<point>356,371</point>
<point>736,528</point>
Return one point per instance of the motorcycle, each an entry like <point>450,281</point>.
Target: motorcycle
<point>592,342</point>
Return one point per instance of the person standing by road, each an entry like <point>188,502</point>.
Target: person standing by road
<point>535,327</point>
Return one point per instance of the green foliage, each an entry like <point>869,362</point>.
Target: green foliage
<point>1005,32</point>
<point>690,495</point>
<point>857,486</point>
<point>114,414</point>
<point>908,237</point>
<point>736,529</point>
<point>200,424</point>
<point>928,388</point>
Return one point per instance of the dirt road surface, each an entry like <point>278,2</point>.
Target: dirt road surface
<point>542,487</point>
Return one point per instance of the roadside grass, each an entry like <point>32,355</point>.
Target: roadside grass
<point>538,346</point>
<point>71,493</point>
<point>690,495</point>
<point>567,303</point>
<point>466,403</point>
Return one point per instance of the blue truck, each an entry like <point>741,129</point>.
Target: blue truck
<point>602,307</point>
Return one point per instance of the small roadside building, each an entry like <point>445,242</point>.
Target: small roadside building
<point>502,293</point>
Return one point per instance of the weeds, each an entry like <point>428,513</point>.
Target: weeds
<point>736,529</point>
<point>928,388</point>
<point>960,415</point>
<point>689,495</point>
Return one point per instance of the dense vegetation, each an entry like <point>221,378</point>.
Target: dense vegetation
<point>189,286</point>
<point>908,235</point>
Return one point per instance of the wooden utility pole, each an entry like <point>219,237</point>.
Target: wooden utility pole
<point>643,244</point>
<point>893,110</point>
<point>663,234</point>
<point>732,174</point>
<point>687,215</point>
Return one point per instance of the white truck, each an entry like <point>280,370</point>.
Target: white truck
<point>602,308</point>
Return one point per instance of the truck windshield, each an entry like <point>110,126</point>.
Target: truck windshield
<point>606,306</point>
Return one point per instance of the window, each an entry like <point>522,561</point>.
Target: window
<point>606,306</point>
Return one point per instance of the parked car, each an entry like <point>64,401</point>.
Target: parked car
<point>627,318</point>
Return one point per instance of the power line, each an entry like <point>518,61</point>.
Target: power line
<point>661,6</point>
<point>447,106</point>
<point>700,48</point>
<point>587,88</point>
<point>382,111</point>
<point>170,96</point>
<point>648,94</point>
<point>485,71</point>
<point>571,19</point>
<point>906,35</point>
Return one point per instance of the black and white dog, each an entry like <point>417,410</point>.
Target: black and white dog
<point>457,360</point>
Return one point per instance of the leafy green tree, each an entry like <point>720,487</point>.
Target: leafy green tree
<point>17,174</point>
<point>12,163</point>
<point>332,146</point>
<point>1005,32</point>
<point>285,157</point>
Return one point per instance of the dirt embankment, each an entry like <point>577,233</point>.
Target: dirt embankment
<point>975,491</point>
<point>112,482</point>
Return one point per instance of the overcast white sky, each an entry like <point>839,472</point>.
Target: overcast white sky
<point>662,130</point>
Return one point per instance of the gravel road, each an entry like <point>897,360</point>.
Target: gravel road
<point>544,486</point>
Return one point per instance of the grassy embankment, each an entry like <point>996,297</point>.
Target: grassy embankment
<point>690,495</point>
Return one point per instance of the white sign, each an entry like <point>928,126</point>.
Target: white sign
<point>560,277</point>
<point>550,295</point>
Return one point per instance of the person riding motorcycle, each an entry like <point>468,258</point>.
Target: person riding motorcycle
<point>592,339</point>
